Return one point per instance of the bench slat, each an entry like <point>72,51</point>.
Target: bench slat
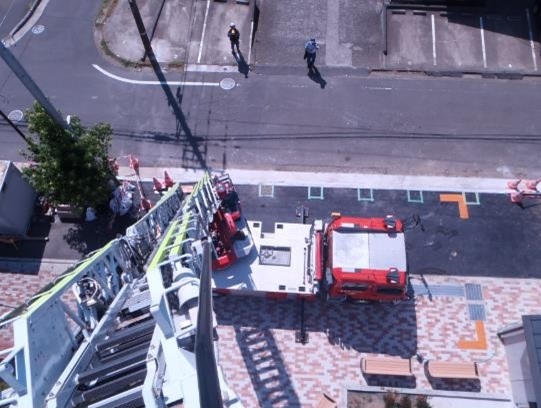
<point>450,369</point>
<point>386,366</point>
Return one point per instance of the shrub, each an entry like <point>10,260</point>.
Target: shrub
<point>422,402</point>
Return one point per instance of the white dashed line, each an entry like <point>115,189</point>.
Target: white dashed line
<point>139,82</point>
<point>532,45</point>
<point>203,34</point>
<point>434,57</point>
<point>481,26</point>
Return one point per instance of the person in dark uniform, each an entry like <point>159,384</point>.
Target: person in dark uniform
<point>234,37</point>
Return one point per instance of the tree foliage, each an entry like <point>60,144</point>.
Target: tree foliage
<point>69,166</point>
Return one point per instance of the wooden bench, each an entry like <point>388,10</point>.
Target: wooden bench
<point>386,366</point>
<point>451,369</point>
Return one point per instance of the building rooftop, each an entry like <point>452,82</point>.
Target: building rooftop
<point>532,334</point>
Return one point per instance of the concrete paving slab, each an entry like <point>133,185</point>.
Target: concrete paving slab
<point>216,45</point>
<point>458,42</point>
<point>507,42</point>
<point>409,41</point>
<point>284,28</point>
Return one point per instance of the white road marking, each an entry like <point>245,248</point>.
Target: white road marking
<point>532,45</point>
<point>203,34</point>
<point>250,45</point>
<point>434,57</point>
<point>139,82</point>
<point>481,26</point>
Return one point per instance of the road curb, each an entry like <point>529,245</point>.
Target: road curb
<point>26,23</point>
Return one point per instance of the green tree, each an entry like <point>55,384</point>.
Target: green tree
<point>69,167</point>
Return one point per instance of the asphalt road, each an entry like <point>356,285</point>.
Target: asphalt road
<point>281,119</point>
<point>498,239</point>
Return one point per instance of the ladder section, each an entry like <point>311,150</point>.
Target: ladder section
<point>57,327</point>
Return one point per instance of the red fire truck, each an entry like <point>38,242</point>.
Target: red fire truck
<point>342,258</point>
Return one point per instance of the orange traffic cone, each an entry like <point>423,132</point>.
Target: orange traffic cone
<point>513,184</point>
<point>134,164</point>
<point>167,180</point>
<point>158,186</point>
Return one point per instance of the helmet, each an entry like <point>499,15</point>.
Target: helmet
<point>232,25</point>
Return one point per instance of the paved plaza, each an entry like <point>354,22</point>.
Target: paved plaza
<point>267,368</point>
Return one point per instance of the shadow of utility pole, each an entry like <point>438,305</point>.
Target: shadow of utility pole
<point>171,100</point>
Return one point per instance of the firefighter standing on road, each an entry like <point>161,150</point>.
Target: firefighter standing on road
<point>234,37</point>
<point>310,49</point>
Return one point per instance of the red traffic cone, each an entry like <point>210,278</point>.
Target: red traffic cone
<point>146,205</point>
<point>516,197</point>
<point>134,164</point>
<point>167,180</point>
<point>513,184</point>
<point>158,186</point>
<point>532,184</point>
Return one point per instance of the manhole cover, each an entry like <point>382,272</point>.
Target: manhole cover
<point>16,115</point>
<point>227,83</point>
<point>38,29</point>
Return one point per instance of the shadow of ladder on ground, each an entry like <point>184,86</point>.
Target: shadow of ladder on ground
<point>266,368</point>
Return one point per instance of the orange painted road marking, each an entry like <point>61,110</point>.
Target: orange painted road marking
<point>480,343</point>
<point>459,199</point>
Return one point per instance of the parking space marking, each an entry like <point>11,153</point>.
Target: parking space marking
<point>459,199</point>
<point>474,198</point>
<point>415,196</point>
<point>140,82</point>
<point>315,193</point>
<point>203,34</point>
<point>532,45</point>
<point>365,194</point>
<point>266,190</point>
<point>434,57</point>
<point>482,31</point>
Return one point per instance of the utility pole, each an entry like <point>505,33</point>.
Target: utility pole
<point>31,86</point>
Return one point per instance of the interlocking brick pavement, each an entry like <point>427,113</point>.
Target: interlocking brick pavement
<point>267,368</point>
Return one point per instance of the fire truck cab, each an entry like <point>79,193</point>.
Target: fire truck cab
<point>364,259</point>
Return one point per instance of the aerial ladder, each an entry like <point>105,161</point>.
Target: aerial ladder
<point>130,325</point>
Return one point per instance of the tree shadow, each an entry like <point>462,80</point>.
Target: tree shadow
<point>85,237</point>
<point>244,68</point>
<point>315,75</point>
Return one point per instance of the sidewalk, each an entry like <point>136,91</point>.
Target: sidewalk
<point>327,180</point>
<point>499,40</point>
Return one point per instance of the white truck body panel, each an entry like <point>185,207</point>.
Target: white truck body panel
<point>278,262</point>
